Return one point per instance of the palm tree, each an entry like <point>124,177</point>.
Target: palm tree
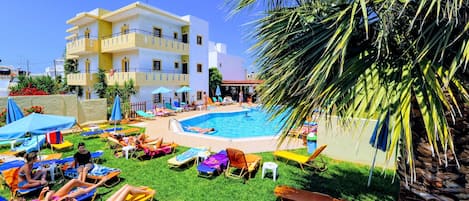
<point>370,58</point>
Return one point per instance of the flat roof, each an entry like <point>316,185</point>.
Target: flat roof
<point>240,82</point>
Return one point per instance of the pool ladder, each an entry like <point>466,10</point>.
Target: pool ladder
<point>174,125</point>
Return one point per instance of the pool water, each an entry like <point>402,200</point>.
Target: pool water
<point>241,124</point>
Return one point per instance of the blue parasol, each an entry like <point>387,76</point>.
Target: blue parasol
<point>161,90</point>
<point>379,140</point>
<point>218,91</point>
<point>184,89</point>
<point>13,111</point>
<point>116,111</point>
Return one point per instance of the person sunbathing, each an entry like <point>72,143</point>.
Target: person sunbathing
<point>69,191</point>
<point>145,139</point>
<point>201,130</point>
<point>124,191</point>
<point>28,179</point>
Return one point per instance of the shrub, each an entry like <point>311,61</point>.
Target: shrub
<point>35,109</point>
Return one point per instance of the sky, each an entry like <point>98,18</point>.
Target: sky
<point>33,31</point>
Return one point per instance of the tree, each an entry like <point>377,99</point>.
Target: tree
<point>100,86</point>
<point>71,66</point>
<point>215,79</point>
<point>370,58</point>
<point>41,85</point>
<point>124,93</point>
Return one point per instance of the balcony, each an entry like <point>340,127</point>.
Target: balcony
<point>83,46</point>
<point>81,79</point>
<point>148,78</point>
<point>135,39</point>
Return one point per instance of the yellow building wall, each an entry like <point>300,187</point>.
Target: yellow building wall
<point>104,59</point>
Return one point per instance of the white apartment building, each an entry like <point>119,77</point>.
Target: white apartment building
<point>230,66</point>
<point>57,69</point>
<point>152,47</point>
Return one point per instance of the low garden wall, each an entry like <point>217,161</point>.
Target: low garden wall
<point>84,111</point>
<point>351,143</point>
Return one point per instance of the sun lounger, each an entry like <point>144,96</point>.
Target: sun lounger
<point>170,107</point>
<point>97,173</point>
<point>241,165</point>
<point>290,193</point>
<point>304,160</point>
<point>32,144</point>
<point>10,177</point>
<point>186,157</point>
<point>213,165</point>
<point>89,134</point>
<point>56,141</point>
<point>141,197</point>
<point>145,115</point>
<point>130,131</point>
<point>156,149</point>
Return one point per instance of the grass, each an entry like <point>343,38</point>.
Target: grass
<point>342,179</point>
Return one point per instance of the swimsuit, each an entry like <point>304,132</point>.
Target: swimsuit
<point>24,182</point>
<point>21,184</point>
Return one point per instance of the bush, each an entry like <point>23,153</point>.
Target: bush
<point>34,109</point>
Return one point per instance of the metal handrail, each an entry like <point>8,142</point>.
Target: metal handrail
<point>144,32</point>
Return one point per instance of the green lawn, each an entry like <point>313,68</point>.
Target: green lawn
<point>342,179</point>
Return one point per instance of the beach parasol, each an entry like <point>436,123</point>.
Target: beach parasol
<point>116,114</point>
<point>13,111</point>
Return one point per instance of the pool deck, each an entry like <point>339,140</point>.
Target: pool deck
<point>160,127</point>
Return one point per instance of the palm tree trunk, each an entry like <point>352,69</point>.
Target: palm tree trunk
<point>434,179</point>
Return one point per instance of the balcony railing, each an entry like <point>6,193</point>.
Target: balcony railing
<point>148,78</point>
<point>81,79</point>
<point>135,38</point>
<point>83,46</point>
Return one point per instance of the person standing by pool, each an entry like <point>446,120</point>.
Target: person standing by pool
<point>83,161</point>
<point>26,178</point>
<point>205,99</point>
<point>240,97</point>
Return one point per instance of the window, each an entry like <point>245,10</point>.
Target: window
<point>184,38</point>
<point>176,65</point>
<point>199,40</point>
<point>219,65</point>
<point>125,64</point>
<point>156,65</point>
<point>199,68</point>
<point>156,98</point>
<point>199,95</point>
<point>125,29</point>
<point>175,35</point>
<point>157,32</point>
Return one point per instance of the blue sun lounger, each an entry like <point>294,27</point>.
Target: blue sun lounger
<point>31,144</point>
<point>213,165</point>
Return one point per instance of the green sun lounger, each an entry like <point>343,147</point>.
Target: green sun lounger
<point>145,115</point>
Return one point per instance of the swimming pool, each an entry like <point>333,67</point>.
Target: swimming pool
<point>241,124</point>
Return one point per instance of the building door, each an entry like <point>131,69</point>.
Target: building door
<point>184,68</point>
<point>87,66</point>
<point>184,38</point>
<point>125,65</point>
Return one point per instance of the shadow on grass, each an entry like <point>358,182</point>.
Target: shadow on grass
<point>350,182</point>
